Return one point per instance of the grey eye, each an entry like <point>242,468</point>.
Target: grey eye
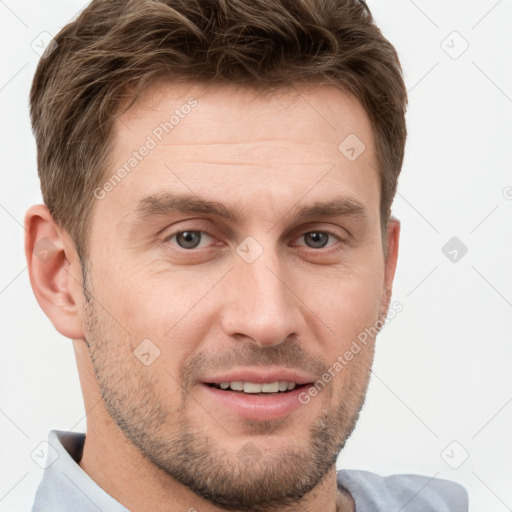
<point>188,239</point>
<point>318,239</point>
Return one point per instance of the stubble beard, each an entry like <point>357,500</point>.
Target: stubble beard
<point>263,481</point>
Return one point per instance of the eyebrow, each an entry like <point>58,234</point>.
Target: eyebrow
<point>165,204</point>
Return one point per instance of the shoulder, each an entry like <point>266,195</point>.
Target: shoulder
<point>406,492</point>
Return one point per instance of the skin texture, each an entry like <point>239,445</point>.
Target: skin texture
<point>205,309</point>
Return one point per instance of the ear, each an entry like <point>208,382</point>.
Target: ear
<point>390,261</point>
<point>54,270</point>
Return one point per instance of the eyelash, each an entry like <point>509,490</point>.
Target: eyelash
<point>331,249</point>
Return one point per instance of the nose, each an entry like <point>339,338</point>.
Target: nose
<point>260,302</point>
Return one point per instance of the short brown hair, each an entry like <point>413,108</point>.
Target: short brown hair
<point>115,49</point>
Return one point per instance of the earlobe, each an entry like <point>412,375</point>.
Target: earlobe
<point>54,269</point>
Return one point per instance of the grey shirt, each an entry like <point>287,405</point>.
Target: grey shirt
<point>65,487</point>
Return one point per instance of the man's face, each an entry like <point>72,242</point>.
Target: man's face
<point>183,301</point>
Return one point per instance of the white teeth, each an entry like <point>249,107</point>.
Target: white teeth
<point>283,385</point>
<point>270,388</point>
<point>253,387</point>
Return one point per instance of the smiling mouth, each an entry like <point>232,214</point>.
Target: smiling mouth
<point>270,388</point>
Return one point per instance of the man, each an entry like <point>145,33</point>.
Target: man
<point>216,236</point>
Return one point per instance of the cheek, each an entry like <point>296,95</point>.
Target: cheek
<point>168,309</point>
<point>350,304</point>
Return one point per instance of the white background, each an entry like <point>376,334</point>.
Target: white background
<point>442,371</point>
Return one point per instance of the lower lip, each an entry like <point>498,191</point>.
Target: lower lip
<point>258,407</point>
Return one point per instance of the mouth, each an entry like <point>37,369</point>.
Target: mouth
<point>253,388</point>
<point>256,394</point>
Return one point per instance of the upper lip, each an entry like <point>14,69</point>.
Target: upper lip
<point>260,376</point>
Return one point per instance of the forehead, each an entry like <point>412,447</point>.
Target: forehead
<point>243,146</point>
<point>318,114</point>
